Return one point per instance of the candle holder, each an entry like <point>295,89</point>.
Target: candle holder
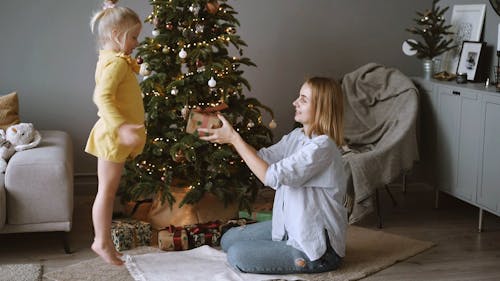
<point>497,72</point>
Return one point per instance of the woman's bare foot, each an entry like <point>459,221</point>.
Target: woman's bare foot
<point>107,253</point>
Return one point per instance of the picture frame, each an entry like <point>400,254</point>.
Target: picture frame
<point>469,58</point>
<point>467,25</point>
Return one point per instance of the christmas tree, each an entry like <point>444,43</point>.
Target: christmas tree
<point>190,72</point>
<point>430,25</point>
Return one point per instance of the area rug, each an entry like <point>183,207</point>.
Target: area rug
<point>368,251</point>
<point>20,272</point>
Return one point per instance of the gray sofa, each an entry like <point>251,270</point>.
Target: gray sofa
<point>36,192</point>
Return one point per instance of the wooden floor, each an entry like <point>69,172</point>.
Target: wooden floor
<point>461,253</point>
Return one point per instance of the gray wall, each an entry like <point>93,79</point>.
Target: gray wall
<point>48,54</point>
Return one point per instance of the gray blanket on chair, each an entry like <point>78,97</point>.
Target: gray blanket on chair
<point>381,106</point>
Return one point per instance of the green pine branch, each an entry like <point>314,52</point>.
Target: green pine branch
<point>431,27</point>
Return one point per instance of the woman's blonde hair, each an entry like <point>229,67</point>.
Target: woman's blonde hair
<point>112,18</point>
<point>328,105</point>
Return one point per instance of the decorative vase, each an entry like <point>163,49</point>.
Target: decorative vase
<point>428,68</point>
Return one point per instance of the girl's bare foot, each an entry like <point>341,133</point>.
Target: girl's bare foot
<point>107,253</point>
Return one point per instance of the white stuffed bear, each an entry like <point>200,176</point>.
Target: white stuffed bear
<point>18,137</point>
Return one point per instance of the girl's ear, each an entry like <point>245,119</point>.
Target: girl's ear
<point>115,37</point>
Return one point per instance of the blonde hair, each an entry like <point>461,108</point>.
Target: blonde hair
<point>112,18</point>
<point>328,105</point>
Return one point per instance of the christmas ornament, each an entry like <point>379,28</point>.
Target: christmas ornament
<point>212,82</point>
<point>199,28</point>
<point>212,7</point>
<point>182,54</point>
<point>199,66</point>
<point>174,91</point>
<point>139,60</point>
<point>179,156</point>
<point>231,30</point>
<point>250,124</point>
<point>195,9</point>
<point>165,50</point>
<point>272,124</point>
<point>169,26</point>
<point>184,68</point>
<point>155,32</point>
<point>144,70</point>
<point>185,112</point>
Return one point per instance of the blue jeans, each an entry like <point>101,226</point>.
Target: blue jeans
<point>250,249</point>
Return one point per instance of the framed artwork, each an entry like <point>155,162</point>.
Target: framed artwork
<point>466,25</point>
<point>496,6</point>
<point>469,58</point>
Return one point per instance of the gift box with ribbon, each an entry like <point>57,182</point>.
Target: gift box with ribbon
<point>204,234</point>
<point>234,223</point>
<point>173,238</point>
<point>129,233</point>
<point>256,215</point>
<point>204,118</point>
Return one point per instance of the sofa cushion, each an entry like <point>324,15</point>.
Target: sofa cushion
<point>39,181</point>
<point>9,110</point>
<point>3,207</point>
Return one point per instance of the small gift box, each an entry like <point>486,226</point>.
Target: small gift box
<point>204,234</point>
<point>234,223</point>
<point>173,239</point>
<point>204,118</point>
<point>256,215</point>
<point>200,120</point>
<point>129,233</point>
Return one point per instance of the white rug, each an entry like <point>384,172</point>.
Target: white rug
<point>20,272</point>
<point>198,263</point>
<point>368,251</point>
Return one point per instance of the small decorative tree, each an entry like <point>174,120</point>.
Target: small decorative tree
<point>430,25</point>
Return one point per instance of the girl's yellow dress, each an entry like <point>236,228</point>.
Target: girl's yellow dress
<point>118,98</point>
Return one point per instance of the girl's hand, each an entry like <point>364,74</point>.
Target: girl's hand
<point>224,134</point>
<point>128,135</point>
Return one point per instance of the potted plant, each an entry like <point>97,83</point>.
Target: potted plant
<point>431,27</point>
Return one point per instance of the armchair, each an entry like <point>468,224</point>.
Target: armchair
<point>381,106</point>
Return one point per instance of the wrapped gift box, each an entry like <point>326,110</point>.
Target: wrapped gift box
<point>201,120</point>
<point>204,234</point>
<point>173,239</point>
<point>256,215</point>
<point>130,233</point>
<point>234,223</point>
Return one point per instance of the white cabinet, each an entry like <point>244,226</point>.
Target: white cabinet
<point>462,136</point>
<point>458,126</point>
<point>488,194</point>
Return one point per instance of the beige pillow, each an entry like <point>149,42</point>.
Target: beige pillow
<point>9,110</point>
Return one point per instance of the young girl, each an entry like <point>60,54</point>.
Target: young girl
<point>307,231</point>
<point>119,133</point>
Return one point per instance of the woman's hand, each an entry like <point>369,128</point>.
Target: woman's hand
<point>128,135</point>
<point>224,134</point>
